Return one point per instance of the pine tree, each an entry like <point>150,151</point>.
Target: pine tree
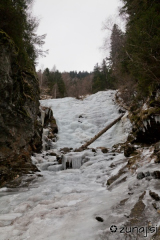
<point>108,80</point>
<point>142,42</point>
<point>116,45</point>
<point>55,83</point>
<point>16,21</point>
<point>96,79</point>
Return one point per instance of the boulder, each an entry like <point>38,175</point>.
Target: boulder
<point>104,150</point>
<point>140,175</point>
<point>156,174</point>
<point>154,195</point>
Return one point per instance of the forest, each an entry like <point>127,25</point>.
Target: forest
<point>133,62</point>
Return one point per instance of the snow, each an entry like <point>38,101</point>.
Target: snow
<point>63,204</point>
<point>80,120</point>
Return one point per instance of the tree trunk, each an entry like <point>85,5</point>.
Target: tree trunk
<point>98,135</point>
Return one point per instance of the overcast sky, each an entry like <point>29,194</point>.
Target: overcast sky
<point>74,32</point>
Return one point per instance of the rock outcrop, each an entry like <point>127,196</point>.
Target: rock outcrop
<point>144,115</point>
<point>20,131</point>
<point>50,128</point>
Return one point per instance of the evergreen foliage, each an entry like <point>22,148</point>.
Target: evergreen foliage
<point>79,75</point>
<point>117,43</point>
<point>102,78</point>
<point>142,38</point>
<point>55,83</point>
<point>17,22</point>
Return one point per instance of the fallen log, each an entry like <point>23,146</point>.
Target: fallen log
<point>99,134</point>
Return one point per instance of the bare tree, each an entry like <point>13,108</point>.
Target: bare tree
<point>77,87</point>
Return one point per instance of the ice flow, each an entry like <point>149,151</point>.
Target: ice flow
<point>64,204</point>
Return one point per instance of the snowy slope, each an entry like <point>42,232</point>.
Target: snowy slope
<point>78,120</point>
<point>64,205</point>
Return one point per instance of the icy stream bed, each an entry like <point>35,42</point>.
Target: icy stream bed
<point>74,204</point>
<point>79,120</point>
<point>60,205</point>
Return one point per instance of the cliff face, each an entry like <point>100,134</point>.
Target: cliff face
<point>20,131</point>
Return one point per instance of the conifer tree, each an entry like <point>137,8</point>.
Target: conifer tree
<point>96,79</point>
<point>116,45</point>
<point>142,42</point>
<point>16,21</point>
<point>55,83</point>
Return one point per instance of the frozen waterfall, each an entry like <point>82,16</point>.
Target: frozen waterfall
<point>72,160</point>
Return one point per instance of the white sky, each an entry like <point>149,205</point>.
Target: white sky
<point>74,32</point>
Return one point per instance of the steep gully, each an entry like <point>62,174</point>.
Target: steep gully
<point>101,195</point>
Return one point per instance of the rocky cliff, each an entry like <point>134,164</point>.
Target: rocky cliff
<point>20,131</point>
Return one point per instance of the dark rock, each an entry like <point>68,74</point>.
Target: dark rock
<point>93,150</point>
<point>128,150</point>
<point>156,174</point>
<point>121,110</point>
<point>39,175</point>
<point>154,195</point>
<point>104,150</point>
<point>99,219</point>
<point>140,175</point>
<point>130,193</point>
